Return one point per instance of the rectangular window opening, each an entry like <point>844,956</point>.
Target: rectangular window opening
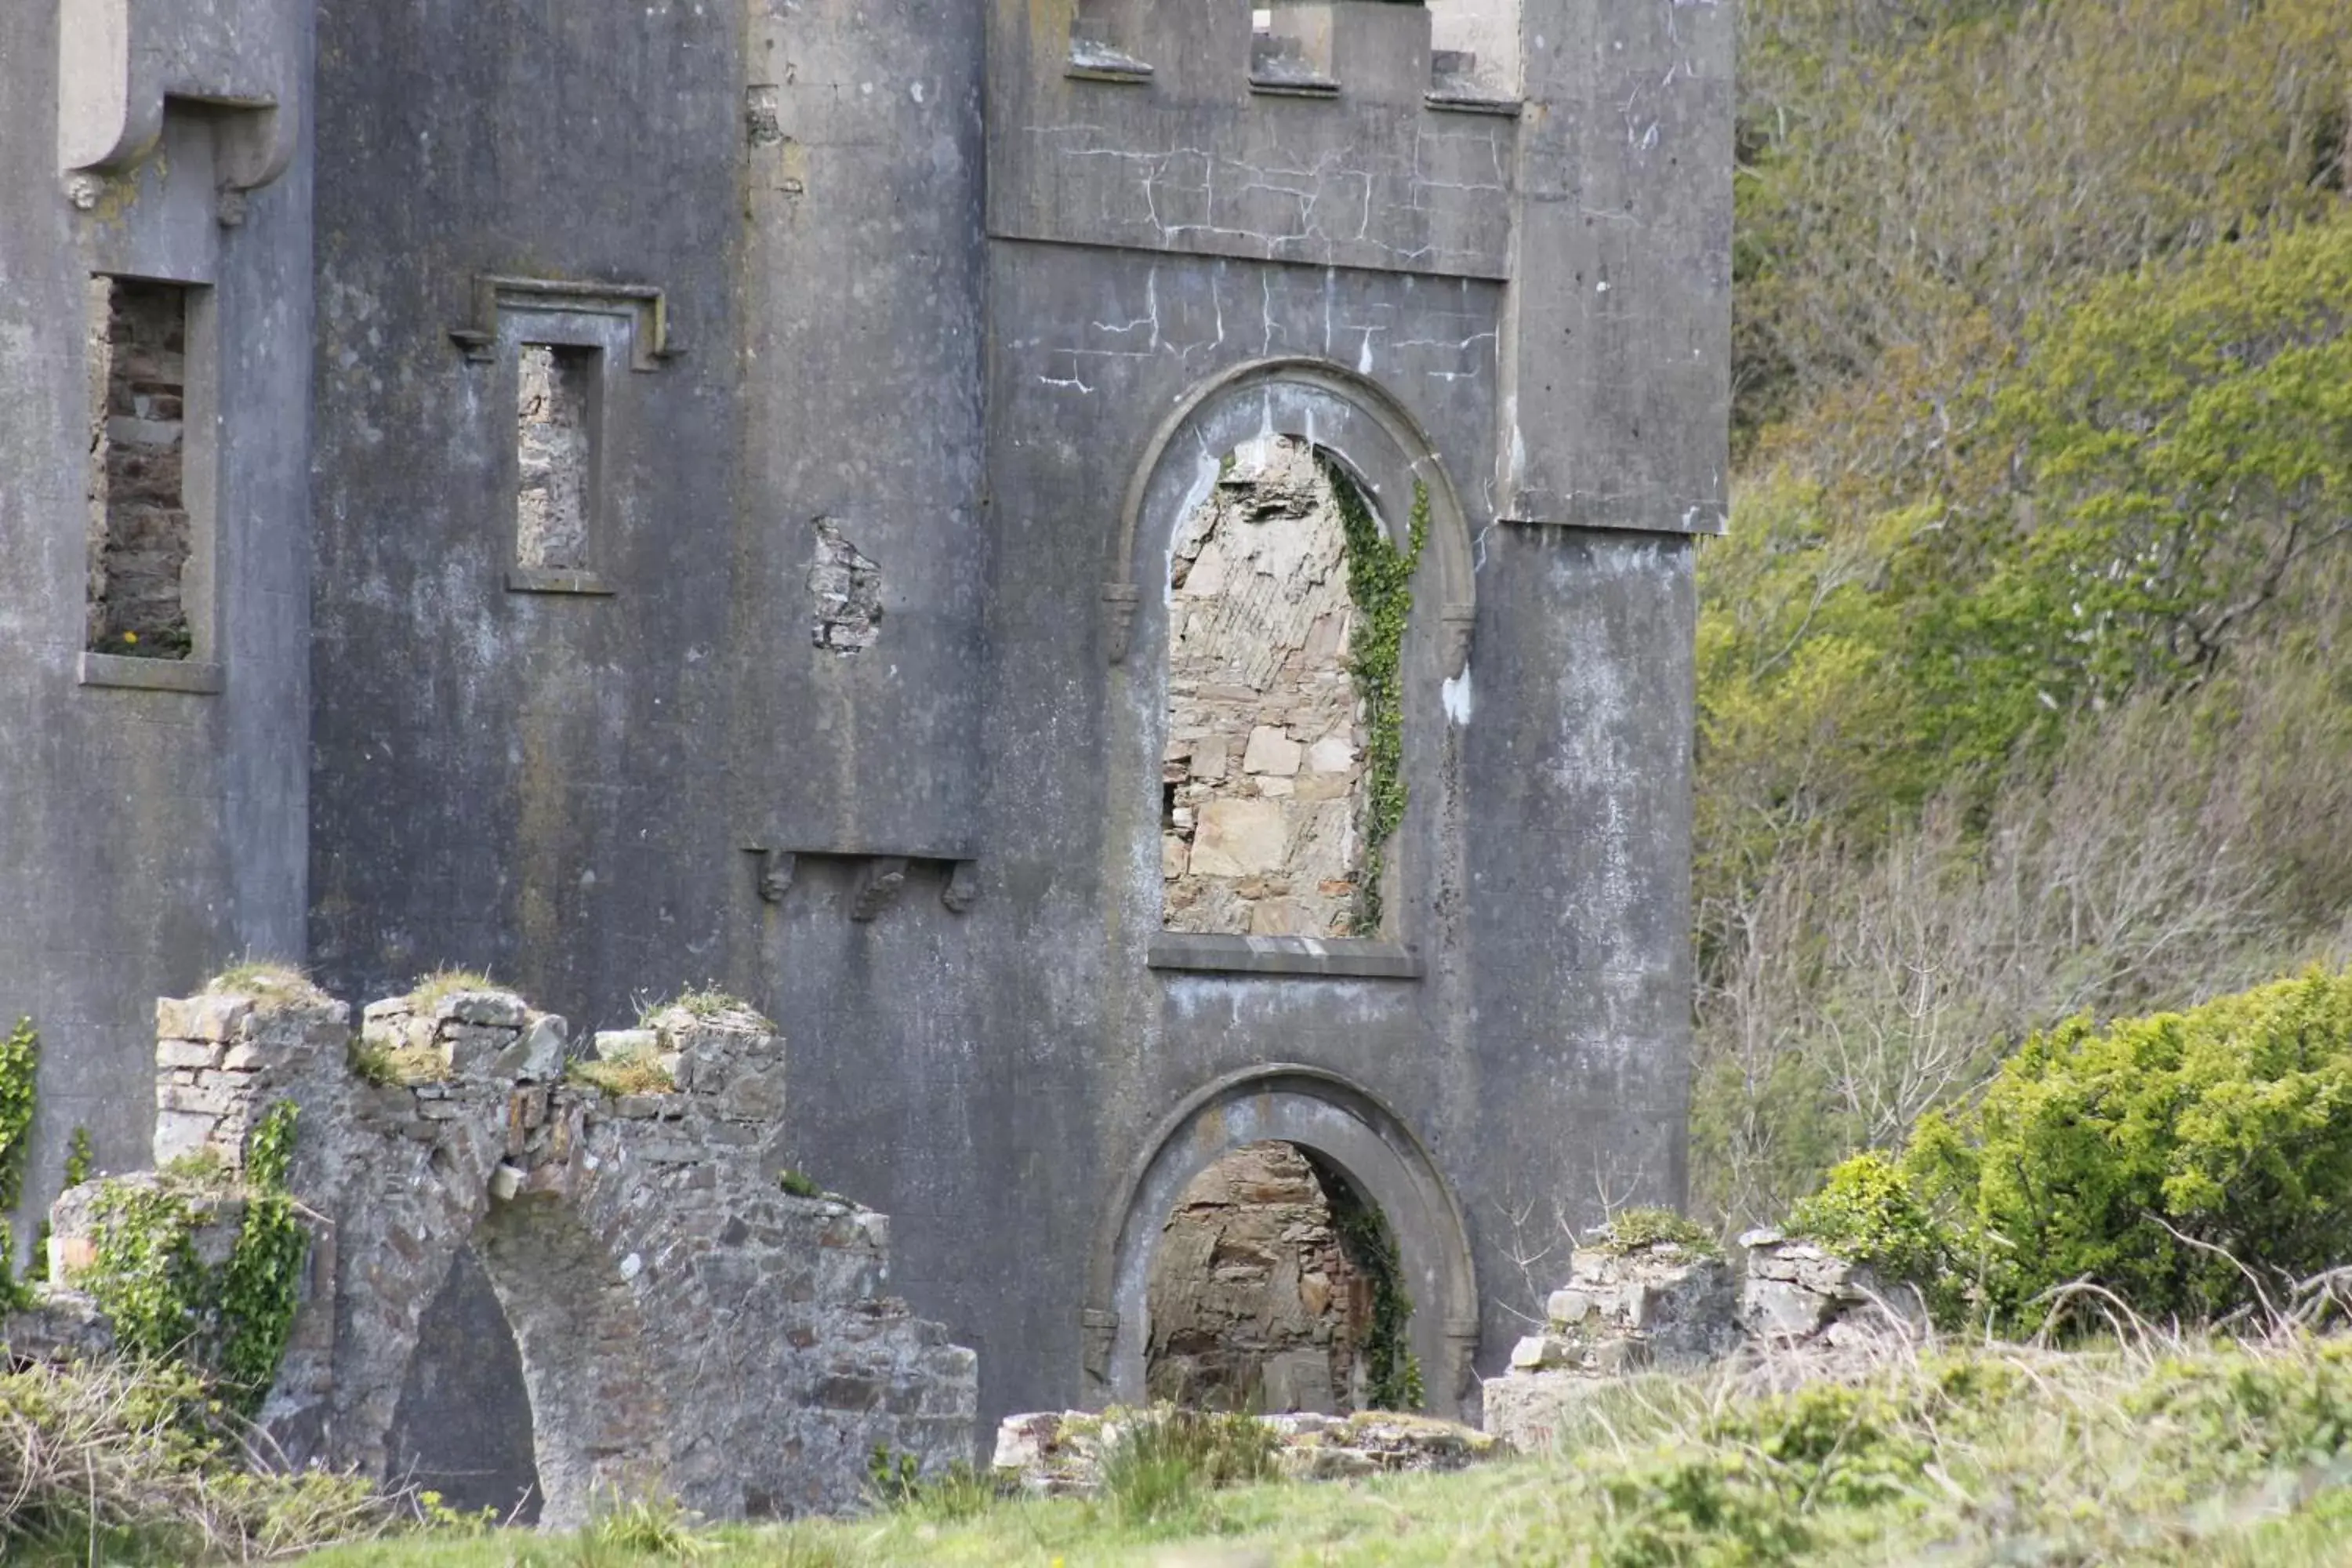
<point>141,537</point>
<point>555,396</point>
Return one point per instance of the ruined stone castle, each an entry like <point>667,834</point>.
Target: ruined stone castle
<point>1122,569</point>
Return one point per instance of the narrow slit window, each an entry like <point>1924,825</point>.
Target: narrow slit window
<point>141,537</point>
<point>555,391</point>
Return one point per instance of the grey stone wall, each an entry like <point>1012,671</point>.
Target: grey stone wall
<point>1264,758</point>
<point>153,812</point>
<point>683,1324</point>
<point>918,335</point>
<point>1255,1303</point>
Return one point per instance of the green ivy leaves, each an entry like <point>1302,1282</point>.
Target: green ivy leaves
<point>1379,582</point>
<point>229,1323</point>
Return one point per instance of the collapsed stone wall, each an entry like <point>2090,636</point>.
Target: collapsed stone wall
<point>684,1323</point>
<point>139,522</point>
<point>1672,1306</point>
<point>1265,760</point>
<point>1253,1303</point>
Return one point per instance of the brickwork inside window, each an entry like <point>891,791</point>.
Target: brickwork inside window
<point>1263,770</point>
<point>554,392</point>
<point>139,532</point>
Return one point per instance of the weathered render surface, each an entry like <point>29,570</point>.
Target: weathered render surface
<point>918,329</point>
<point>153,811</point>
<point>682,1324</point>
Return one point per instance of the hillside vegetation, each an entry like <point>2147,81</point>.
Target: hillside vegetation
<point>2023,680</point>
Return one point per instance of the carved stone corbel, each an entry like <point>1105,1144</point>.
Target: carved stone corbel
<point>1098,1337</point>
<point>878,888</point>
<point>963,886</point>
<point>776,869</point>
<point>119,60</point>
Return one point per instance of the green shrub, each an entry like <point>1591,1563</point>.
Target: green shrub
<point>1867,1211</point>
<point>2192,1163</point>
<point>227,1324</point>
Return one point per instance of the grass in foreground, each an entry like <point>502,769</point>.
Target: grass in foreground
<point>2171,1452</point>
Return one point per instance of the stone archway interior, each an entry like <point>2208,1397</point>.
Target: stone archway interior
<point>1254,1298</point>
<point>462,1427</point>
<point>1263,775</point>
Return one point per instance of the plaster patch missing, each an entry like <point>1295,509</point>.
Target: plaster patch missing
<point>847,590</point>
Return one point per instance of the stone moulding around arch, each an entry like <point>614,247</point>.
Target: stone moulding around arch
<point>1386,476</point>
<point>1306,1105</point>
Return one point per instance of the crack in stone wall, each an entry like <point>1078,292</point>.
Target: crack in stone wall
<point>140,531</point>
<point>554,390</point>
<point>1264,768</point>
<point>1254,1303</point>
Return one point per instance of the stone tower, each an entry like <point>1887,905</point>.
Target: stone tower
<point>630,495</point>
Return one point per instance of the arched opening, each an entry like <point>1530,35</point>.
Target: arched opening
<point>532,1386</point>
<point>599,1415</point>
<point>1377,1186</point>
<point>1276,1288</point>
<point>1270,780</point>
<point>462,1427</point>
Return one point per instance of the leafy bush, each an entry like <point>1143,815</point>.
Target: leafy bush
<point>226,1324</point>
<point>2192,1163</point>
<point>1867,1211</point>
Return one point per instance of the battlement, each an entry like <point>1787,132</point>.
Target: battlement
<point>1324,132</point>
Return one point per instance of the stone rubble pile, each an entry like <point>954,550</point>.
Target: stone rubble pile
<point>1796,1293</point>
<point>1669,1306</point>
<point>1061,1453</point>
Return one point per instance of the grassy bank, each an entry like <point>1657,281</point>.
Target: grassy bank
<point>2147,1450</point>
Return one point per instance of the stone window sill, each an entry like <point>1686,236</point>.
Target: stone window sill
<point>1096,62</point>
<point>1336,957</point>
<point>125,673</point>
<point>1294,87</point>
<point>548,580</point>
<point>1470,103</point>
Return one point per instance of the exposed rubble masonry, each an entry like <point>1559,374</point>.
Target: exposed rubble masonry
<point>684,1323</point>
<point>554,397</point>
<point>139,526</point>
<point>846,588</point>
<point>1255,1304</point>
<point>1263,771</point>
